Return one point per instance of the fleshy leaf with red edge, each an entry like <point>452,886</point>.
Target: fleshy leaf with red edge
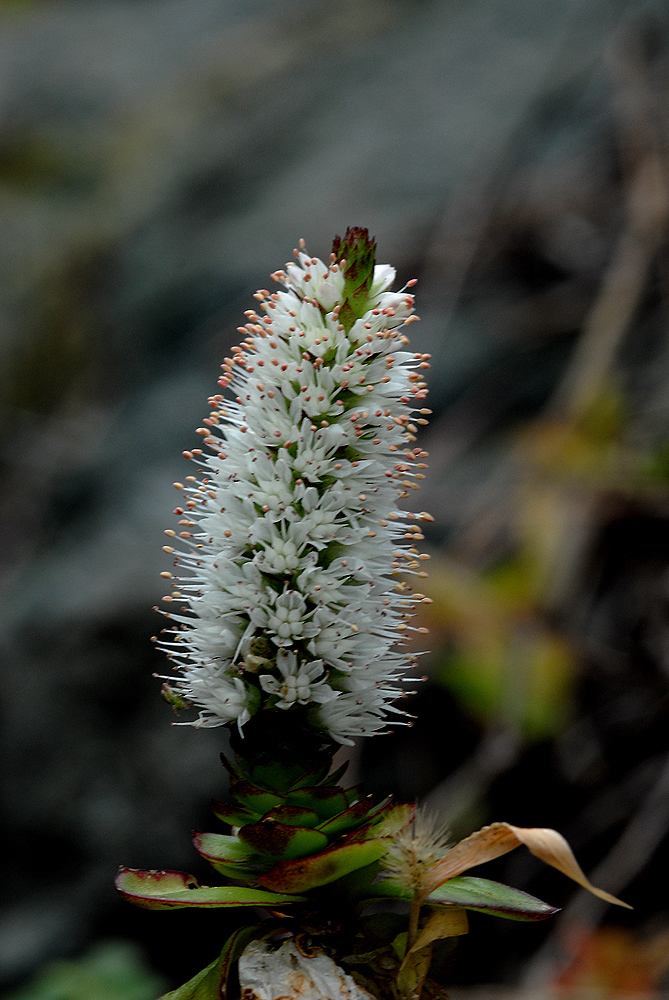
<point>386,822</point>
<point>255,799</point>
<point>167,890</point>
<point>282,841</point>
<point>227,855</point>
<point>346,820</point>
<point>233,815</point>
<point>325,801</point>
<point>293,816</point>
<point>321,869</point>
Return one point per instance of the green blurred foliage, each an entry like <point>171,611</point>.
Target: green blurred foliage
<point>111,970</point>
<point>506,656</point>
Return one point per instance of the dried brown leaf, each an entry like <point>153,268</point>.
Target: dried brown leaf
<point>441,924</point>
<point>499,838</point>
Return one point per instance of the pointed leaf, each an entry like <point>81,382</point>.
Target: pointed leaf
<point>254,798</point>
<point>278,777</point>
<point>220,847</point>
<point>336,776</point>
<point>352,794</point>
<point>316,776</point>
<point>391,820</point>
<point>474,894</point>
<point>491,897</point>
<point>282,841</point>
<point>384,808</point>
<point>293,816</point>
<point>347,820</point>
<point>227,855</point>
<point>384,820</point>
<point>368,831</point>
<point>500,838</point>
<point>325,801</point>
<point>236,871</point>
<point>384,826</point>
<point>166,890</point>
<point>233,815</point>
<point>321,869</point>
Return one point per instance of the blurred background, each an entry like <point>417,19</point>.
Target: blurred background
<point>158,159</point>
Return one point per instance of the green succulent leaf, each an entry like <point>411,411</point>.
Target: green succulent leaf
<point>387,821</point>
<point>167,890</point>
<point>220,847</point>
<point>235,871</point>
<point>314,776</point>
<point>321,869</point>
<point>323,800</point>
<point>352,794</point>
<point>255,799</point>
<point>228,855</point>
<point>347,820</point>
<point>386,811</point>
<point>283,841</point>
<point>293,816</point>
<point>277,777</point>
<point>233,815</point>
<point>491,897</point>
<point>479,894</point>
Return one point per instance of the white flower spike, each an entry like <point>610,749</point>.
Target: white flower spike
<point>293,540</point>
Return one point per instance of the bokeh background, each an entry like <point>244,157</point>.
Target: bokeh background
<point>158,159</point>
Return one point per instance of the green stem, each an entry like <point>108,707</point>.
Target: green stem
<point>414,915</point>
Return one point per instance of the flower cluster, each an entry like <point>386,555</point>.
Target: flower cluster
<point>293,547</point>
